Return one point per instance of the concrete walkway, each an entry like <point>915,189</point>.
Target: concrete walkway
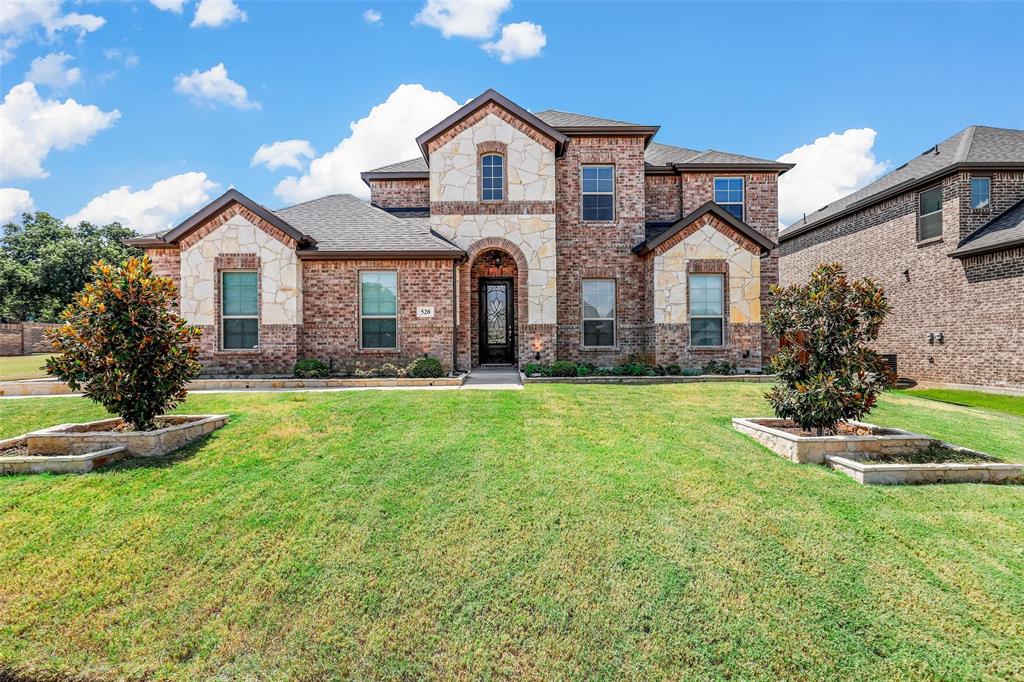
<point>493,378</point>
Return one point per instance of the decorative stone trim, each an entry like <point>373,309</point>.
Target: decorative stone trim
<point>953,472</point>
<point>439,208</point>
<point>717,224</point>
<point>80,439</point>
<point>728,378</point>
<point>226,215</point>
<point>55,464</point>
<point>813,449</point>
<point>483,149</point>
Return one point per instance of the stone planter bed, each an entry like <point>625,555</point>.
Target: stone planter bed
<point>78,448</point>
<point>44,387</point>
<point>751,378</point>
<point>875,455</point>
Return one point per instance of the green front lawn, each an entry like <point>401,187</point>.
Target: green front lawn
<point>561,531</point>
<point>22,367</point>
<point>1010,404</point>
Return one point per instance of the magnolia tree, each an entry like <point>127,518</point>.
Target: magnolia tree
<point>121,344</point>
<point>827,374</point>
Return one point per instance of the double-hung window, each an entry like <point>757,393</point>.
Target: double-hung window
<point>599,193</point>
<point>378,309</point>
<point>707,305</point>
<point>598,312</point>
<point>239,323</point>
<point>492,177</point>
<point>729,195</point>
<point>981,189</point>
<point>929,218</point>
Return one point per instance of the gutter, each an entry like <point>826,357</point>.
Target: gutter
<point>982,250</point>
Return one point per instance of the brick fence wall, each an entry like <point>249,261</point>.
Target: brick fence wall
<point>24,338</point>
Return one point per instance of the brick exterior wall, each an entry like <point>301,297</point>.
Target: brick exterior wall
<point>24,338</point>
<point>977,303</point>
<point>330,312</point>
<point>400,193</point>
<point>167,263</point>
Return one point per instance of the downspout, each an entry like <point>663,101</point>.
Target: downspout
<point>455,314</point>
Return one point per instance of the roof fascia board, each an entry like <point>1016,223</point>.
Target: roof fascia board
<point>223,201</point>
<point>645,247</point>
<point>366,176</point>
<point>982,250</point>
<point>313,254</point>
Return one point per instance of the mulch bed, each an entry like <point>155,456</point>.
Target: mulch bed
<point>841,429</point>
<point>16,451</point>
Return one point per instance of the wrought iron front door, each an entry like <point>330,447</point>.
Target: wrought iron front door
<point>497,321</point>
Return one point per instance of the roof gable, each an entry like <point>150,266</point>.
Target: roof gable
<point>224,202</point>
<point>499,100</point>
<point>1005,231</point>
<point>757,240</point>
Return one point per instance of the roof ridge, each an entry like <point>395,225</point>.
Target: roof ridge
<point>963,149</point>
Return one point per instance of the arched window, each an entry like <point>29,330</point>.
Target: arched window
<point>492,176</point>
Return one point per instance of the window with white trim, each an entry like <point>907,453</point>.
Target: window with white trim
<point>239,309</point>
<point>598,312</point>
<point>378,309</point>
<point>707,310</point>
<point>981,189</point>
<point>929,218</point>
<point>729,195</point>
<point>599,193</point>
<point>492,177</point>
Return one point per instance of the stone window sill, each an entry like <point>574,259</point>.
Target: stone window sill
<point>599,349</point>
<point>379,351</point>
<point>238,351</point>
<point>698,349</point>
<point>597,223</point>
<point>929,242</point>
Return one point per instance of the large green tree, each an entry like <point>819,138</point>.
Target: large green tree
<point>44,262</point>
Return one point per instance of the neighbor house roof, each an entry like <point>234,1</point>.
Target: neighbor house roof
<point>972,147</point>
<point>1004,231</point>
<point>670,159</point>
<point>659,233</point>
<point>345,225</point>
<point>505,103</point>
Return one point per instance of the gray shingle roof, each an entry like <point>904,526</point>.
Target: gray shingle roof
<point>417,165</point>
<point>1003,231</point>
<point>342,222</point>
<point>567,119</point>
<point>975,144</point>
<point>658,154</point>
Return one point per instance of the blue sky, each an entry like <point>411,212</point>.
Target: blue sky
<point>760,79</point>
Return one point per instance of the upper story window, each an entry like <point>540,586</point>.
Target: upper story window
<point>598,312</point>
<point>980,192</point>
<point>929,214</point>
<point>707,310</point>
<point>599,193</point>
<point>492,176</point>
<point>239,310</point>
<point>729,195</point>
<point>378,309</point>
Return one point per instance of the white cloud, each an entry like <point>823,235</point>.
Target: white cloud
<point>21,20</point>
<point>371,16</point>
<point>148,210</point>
<point>464,18</point>
<point>124,56</point>
<point>212,87</point>
<point>386,135</point>
<point>30,127</point>
<point>216,13</point>
<point>284,153</point>
<point>14,202</point>
<point>169,5</point>
<point>518,41</point>
<point>51,70</point>
<point>828,168</point>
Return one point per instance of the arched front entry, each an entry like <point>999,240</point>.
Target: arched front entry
<point>493,309</point>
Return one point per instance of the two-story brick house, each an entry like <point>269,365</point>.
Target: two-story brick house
<point>944,234</point>
<point>513,237</point>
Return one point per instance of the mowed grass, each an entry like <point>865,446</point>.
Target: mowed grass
<point>560,532</point>
<point>22,367</point>
<point>1010,404</point>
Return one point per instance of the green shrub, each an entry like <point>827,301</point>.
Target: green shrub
<point>827,374</point>
<point>633,369</point>
<point>562,368</point>
<point>585,369</point>
<point>425,367</point>
<point>389,370</point>
<point>121,344</point>
<point>311,369</point>
<point>534,369</point>
<point>691,371</point>
<point>718,367</point>
<point>673,370</point>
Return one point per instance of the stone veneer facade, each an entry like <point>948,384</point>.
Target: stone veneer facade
<point>535,236</point>
<point>976,303</point>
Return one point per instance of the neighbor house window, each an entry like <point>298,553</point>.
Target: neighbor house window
<point>707,317</point>
<point>599,193</point>
<point>929,221</point>
<point>598,312</point>
<point>239,314</point>
<point>980,191</point>
<point>378,309</point>
<point>492,175</point>
<point>729,195</point>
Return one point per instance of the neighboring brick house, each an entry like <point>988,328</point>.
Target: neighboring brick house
<point>944,234</point>
<point>515,237</point>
